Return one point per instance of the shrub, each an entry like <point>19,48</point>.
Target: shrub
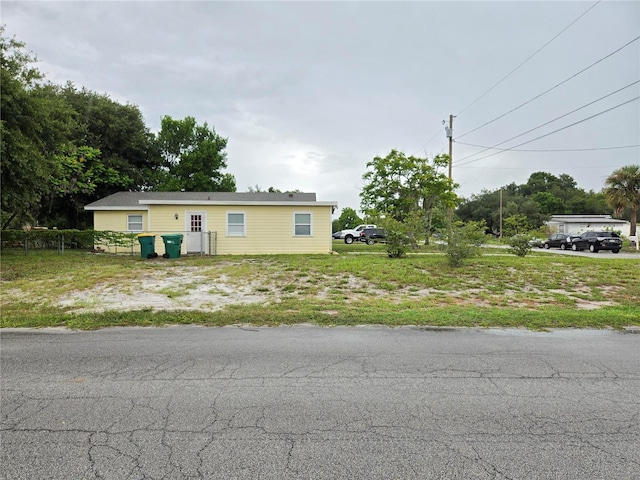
<point>398,239</point>
<point>520,245</point>
<point>463,241</point>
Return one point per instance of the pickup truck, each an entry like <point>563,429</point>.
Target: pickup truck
<point>353,234</point>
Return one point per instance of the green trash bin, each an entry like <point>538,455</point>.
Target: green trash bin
<point>172,244</point>
<point>147,245</point>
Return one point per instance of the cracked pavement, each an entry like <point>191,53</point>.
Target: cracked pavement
<point>303,402</point>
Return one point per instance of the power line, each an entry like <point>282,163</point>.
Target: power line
<point>431,139</point>
<point>550,89</point>
<point>551,149</point>
<point>550,133</point>
<point>529,58</point>
<point>515,69</point>
<point>546,123</point>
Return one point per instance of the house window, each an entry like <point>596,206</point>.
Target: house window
<point>235,224</point>
<point>302,224</point>
<point>134,223</point>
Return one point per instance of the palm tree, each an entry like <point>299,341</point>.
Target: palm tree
<point>622,190</point>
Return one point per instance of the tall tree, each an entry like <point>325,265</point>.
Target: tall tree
<point>119,132</point>
<point>622,190</point>
<point>193,157</point>
<point>405,188</point>
<point>33,127</point>
<point>348,219</point>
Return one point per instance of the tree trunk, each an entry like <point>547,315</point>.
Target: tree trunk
<point>8,222</point>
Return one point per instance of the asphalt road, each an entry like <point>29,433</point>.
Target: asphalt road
<point>319,403</point>
<point>601,254</point>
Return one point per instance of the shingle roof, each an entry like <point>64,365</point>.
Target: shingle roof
<point>135,199</point>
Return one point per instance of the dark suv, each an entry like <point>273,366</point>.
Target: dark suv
<point>373,235</point>
<point>595,241</point>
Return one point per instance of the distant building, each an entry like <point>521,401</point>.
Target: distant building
<point>583,223</point>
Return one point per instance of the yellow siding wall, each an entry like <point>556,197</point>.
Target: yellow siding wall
<point>268,229</point>
<point>116,221</point>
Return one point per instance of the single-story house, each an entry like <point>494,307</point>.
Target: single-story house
<point>221,223</point>
<point>577,224</point>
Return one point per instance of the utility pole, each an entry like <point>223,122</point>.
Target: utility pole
<point>449,132</point>
<point>450,135</point>
<point>500,214</point>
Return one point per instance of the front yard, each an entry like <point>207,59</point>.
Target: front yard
<point>358,285</point>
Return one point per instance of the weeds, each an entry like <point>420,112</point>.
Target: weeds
<point>537,291</point>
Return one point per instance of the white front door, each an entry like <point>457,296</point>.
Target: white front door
<point>197,240</point>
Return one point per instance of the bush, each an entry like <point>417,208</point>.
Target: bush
<point>398,240</point>
<point>51,239</point>
<point>520,245</point>
<point>463,241</point>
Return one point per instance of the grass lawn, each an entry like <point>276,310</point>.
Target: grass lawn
<point>359,285</point>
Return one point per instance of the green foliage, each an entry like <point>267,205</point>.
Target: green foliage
<point>520,245</point>
<point>515,224</point>
<point>62,147</point>
<point>398,187</point>
<point>51,239</point>
<point>497,290</point>
<point>32,129</point>
<point>623,192</point>
<point>193,157</point>
<point>542,196</point>
<point>348,219</point>
<point>463,242</point>
<point>399,237</point>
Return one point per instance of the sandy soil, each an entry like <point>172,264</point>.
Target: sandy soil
<point>180,289</point>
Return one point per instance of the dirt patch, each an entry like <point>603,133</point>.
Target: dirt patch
<point>178,289</point>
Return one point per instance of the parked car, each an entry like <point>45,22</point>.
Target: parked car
<point>336,235</point>
<point>563,241</point>
<point>354,233</point>
<point>536,242</point>
<point>373,235</point>
<point>596,241</point>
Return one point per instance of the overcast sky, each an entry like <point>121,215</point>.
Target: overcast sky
<point>308,92</point>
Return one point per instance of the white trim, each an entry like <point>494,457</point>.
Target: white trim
<point>310,223</point>
<point>129,215</point>
<point>232,203</point>
<point>111,208</point>
<point>244,223</point>
<point>188,232</point>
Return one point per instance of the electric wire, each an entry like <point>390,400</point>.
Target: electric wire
<point>552,88</point>
<point>528,58</point>
<point>515,69</point>
<point>619,147</point>
<point>544,124</point>
<point>550,133</point>
<point>431,139</point>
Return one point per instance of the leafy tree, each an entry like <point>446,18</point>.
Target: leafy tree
<point>397,186</point>
<point>259,189</point>
<point>119,132</point>
<point>193,157</point>
<point>542,196</point>
<point>33,127</point>
<point>348,219</point>
<point>622,190</point>
<point>516,224</point>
